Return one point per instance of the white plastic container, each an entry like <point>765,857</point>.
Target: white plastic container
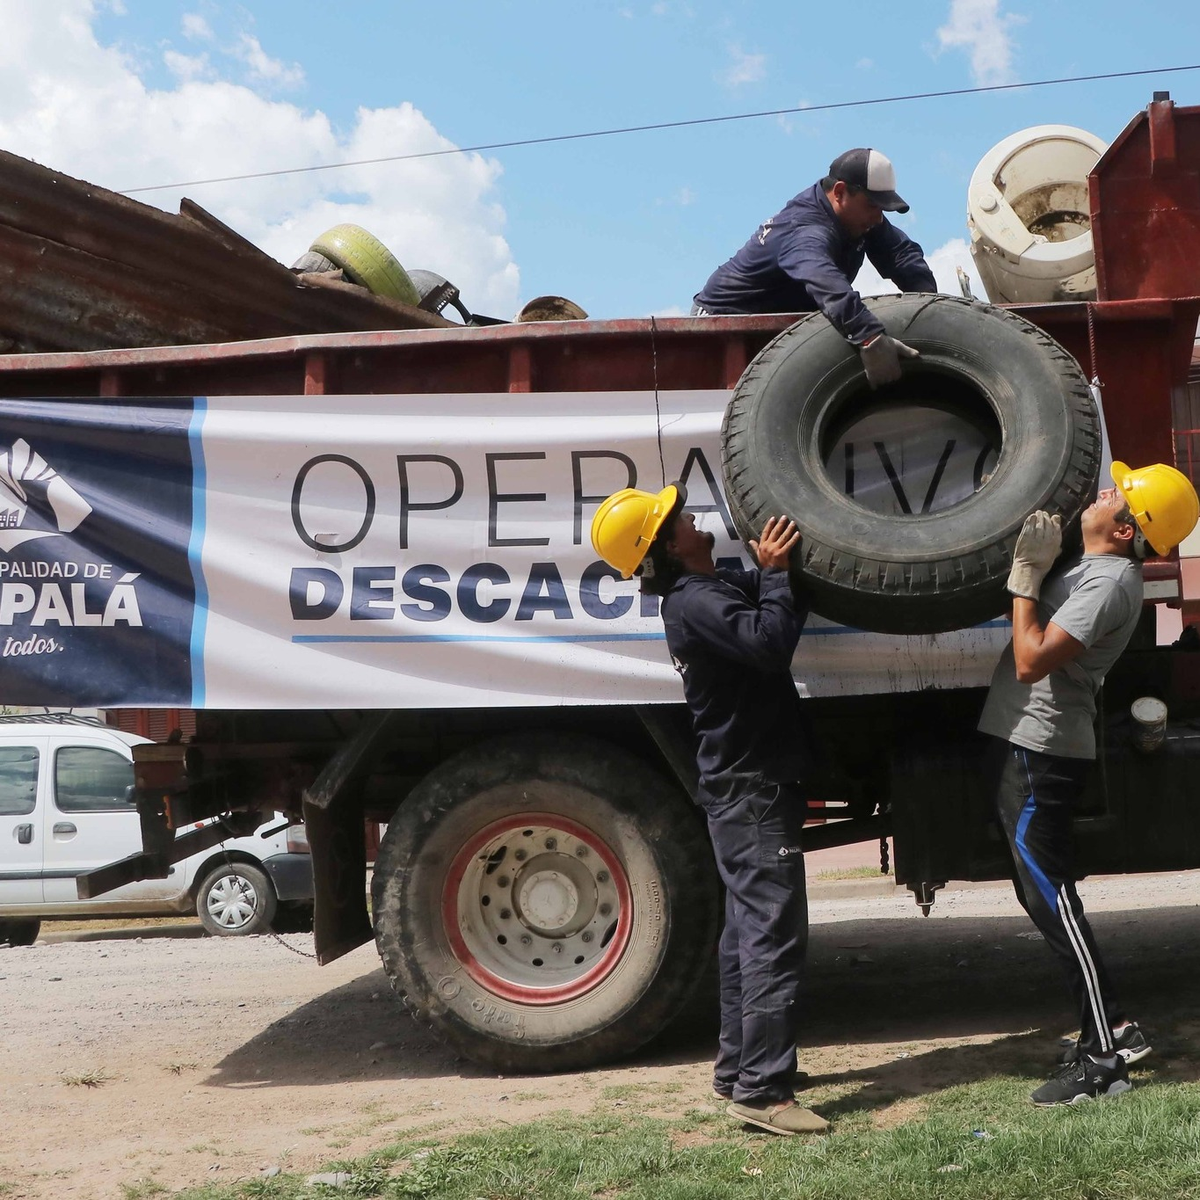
<point>1149,723</point>
<point>1029,216</point>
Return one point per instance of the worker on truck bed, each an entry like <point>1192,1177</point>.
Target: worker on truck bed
<point>805,258</point>
<point>1070,624</point>
<point>731,635</point>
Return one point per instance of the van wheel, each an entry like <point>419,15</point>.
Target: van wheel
<point>236,899</point>
<point>20,933</point>
<point>547,903</point>
<point>909,499</point>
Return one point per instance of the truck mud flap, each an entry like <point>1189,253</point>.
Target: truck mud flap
<point>333,817</point>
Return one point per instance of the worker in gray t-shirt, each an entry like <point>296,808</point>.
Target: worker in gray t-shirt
<point>1069,626</point>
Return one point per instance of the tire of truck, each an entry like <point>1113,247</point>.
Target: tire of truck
<point>21,932</point>
<point>367,262</point>
<point>909,499</point>
<point>236,899</point>
<point>546,903</point>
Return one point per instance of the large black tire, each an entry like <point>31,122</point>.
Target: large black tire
<point>521,845</point>
<point>19,932</point>
<point>235,899</point>
<point>925,571</point>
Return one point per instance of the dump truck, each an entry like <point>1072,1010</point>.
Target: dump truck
<point>356,566</point>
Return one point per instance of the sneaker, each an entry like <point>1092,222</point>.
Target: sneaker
<point>1129,1042</point>
<point>1084,1079</point>
<point>785,1117</point>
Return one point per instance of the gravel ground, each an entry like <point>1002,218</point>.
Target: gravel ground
<point>183,1059</point>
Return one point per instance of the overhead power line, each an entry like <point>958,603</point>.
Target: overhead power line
<point>598,133</point>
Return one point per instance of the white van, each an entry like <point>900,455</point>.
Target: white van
<point>63,810</point>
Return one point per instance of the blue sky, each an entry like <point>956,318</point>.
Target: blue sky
<point>130,93</point>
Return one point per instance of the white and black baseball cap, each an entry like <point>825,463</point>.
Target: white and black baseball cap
<point>873,172</point>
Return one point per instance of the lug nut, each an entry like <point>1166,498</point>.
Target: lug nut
<point>526,940</point>
<point>586,936</point>
<point>557,947</point>
<point>602,876</point>
<point>605,909</point>
<point>502,881</point>
<point>581,852</point>
<point>519,855</point>
<point>551,843</point>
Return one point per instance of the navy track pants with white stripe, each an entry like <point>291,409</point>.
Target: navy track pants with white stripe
<point>1036,796</point>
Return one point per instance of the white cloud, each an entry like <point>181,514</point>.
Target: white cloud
<point>681,198</point>
<point>865,64</point>
<point>979,28</point>
<point>265,68</point>
<point>196,28</point>
<point>187,66</point>
<point>868,282</point>
<point>80,107</point>
<point>943,262</point>
<point>745,68</point>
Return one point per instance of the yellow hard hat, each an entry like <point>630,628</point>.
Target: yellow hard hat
<point>1162,501</point>
<point>629,520</point>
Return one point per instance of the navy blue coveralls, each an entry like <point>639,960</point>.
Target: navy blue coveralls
<point>803,260</point>
<point>731,636</point>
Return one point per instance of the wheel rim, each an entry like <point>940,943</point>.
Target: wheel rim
<point>232,901</point>
<point>537,908</point>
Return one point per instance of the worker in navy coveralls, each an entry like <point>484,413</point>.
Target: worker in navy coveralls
<point>804,259</point>
<point>1070,625</point>
<point>731,635</point>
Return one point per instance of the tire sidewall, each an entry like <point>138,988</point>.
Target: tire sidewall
<point>792,395</point>
<point>625,806</point>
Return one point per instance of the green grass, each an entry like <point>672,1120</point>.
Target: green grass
<point>1145,1144</point>
<point>143,1189</point>
<point>853,873</point>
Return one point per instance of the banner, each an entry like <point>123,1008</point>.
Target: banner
<point>368,552</point>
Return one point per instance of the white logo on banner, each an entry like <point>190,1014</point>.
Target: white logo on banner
<point>23,465</point>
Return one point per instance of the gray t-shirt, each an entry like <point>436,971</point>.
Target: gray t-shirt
<point>1097,599</point>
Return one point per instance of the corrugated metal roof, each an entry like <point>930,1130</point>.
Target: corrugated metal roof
<point>82,268</point>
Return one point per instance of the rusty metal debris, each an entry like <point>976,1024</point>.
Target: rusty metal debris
<point>83,268</point>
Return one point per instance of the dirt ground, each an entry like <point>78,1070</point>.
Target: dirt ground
<point>185,1059</point>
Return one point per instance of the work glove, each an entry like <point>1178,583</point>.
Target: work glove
<point>881,359</point>
<point>1038,545</point>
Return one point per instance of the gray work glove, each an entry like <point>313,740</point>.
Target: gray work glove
<point>1038,545</point>
<point>881,359</point>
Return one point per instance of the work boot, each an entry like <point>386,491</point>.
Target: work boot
<point>782,1116</point>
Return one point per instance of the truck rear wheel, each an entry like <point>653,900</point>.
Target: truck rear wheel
<point>547,903</point>
<point>909,499</point>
